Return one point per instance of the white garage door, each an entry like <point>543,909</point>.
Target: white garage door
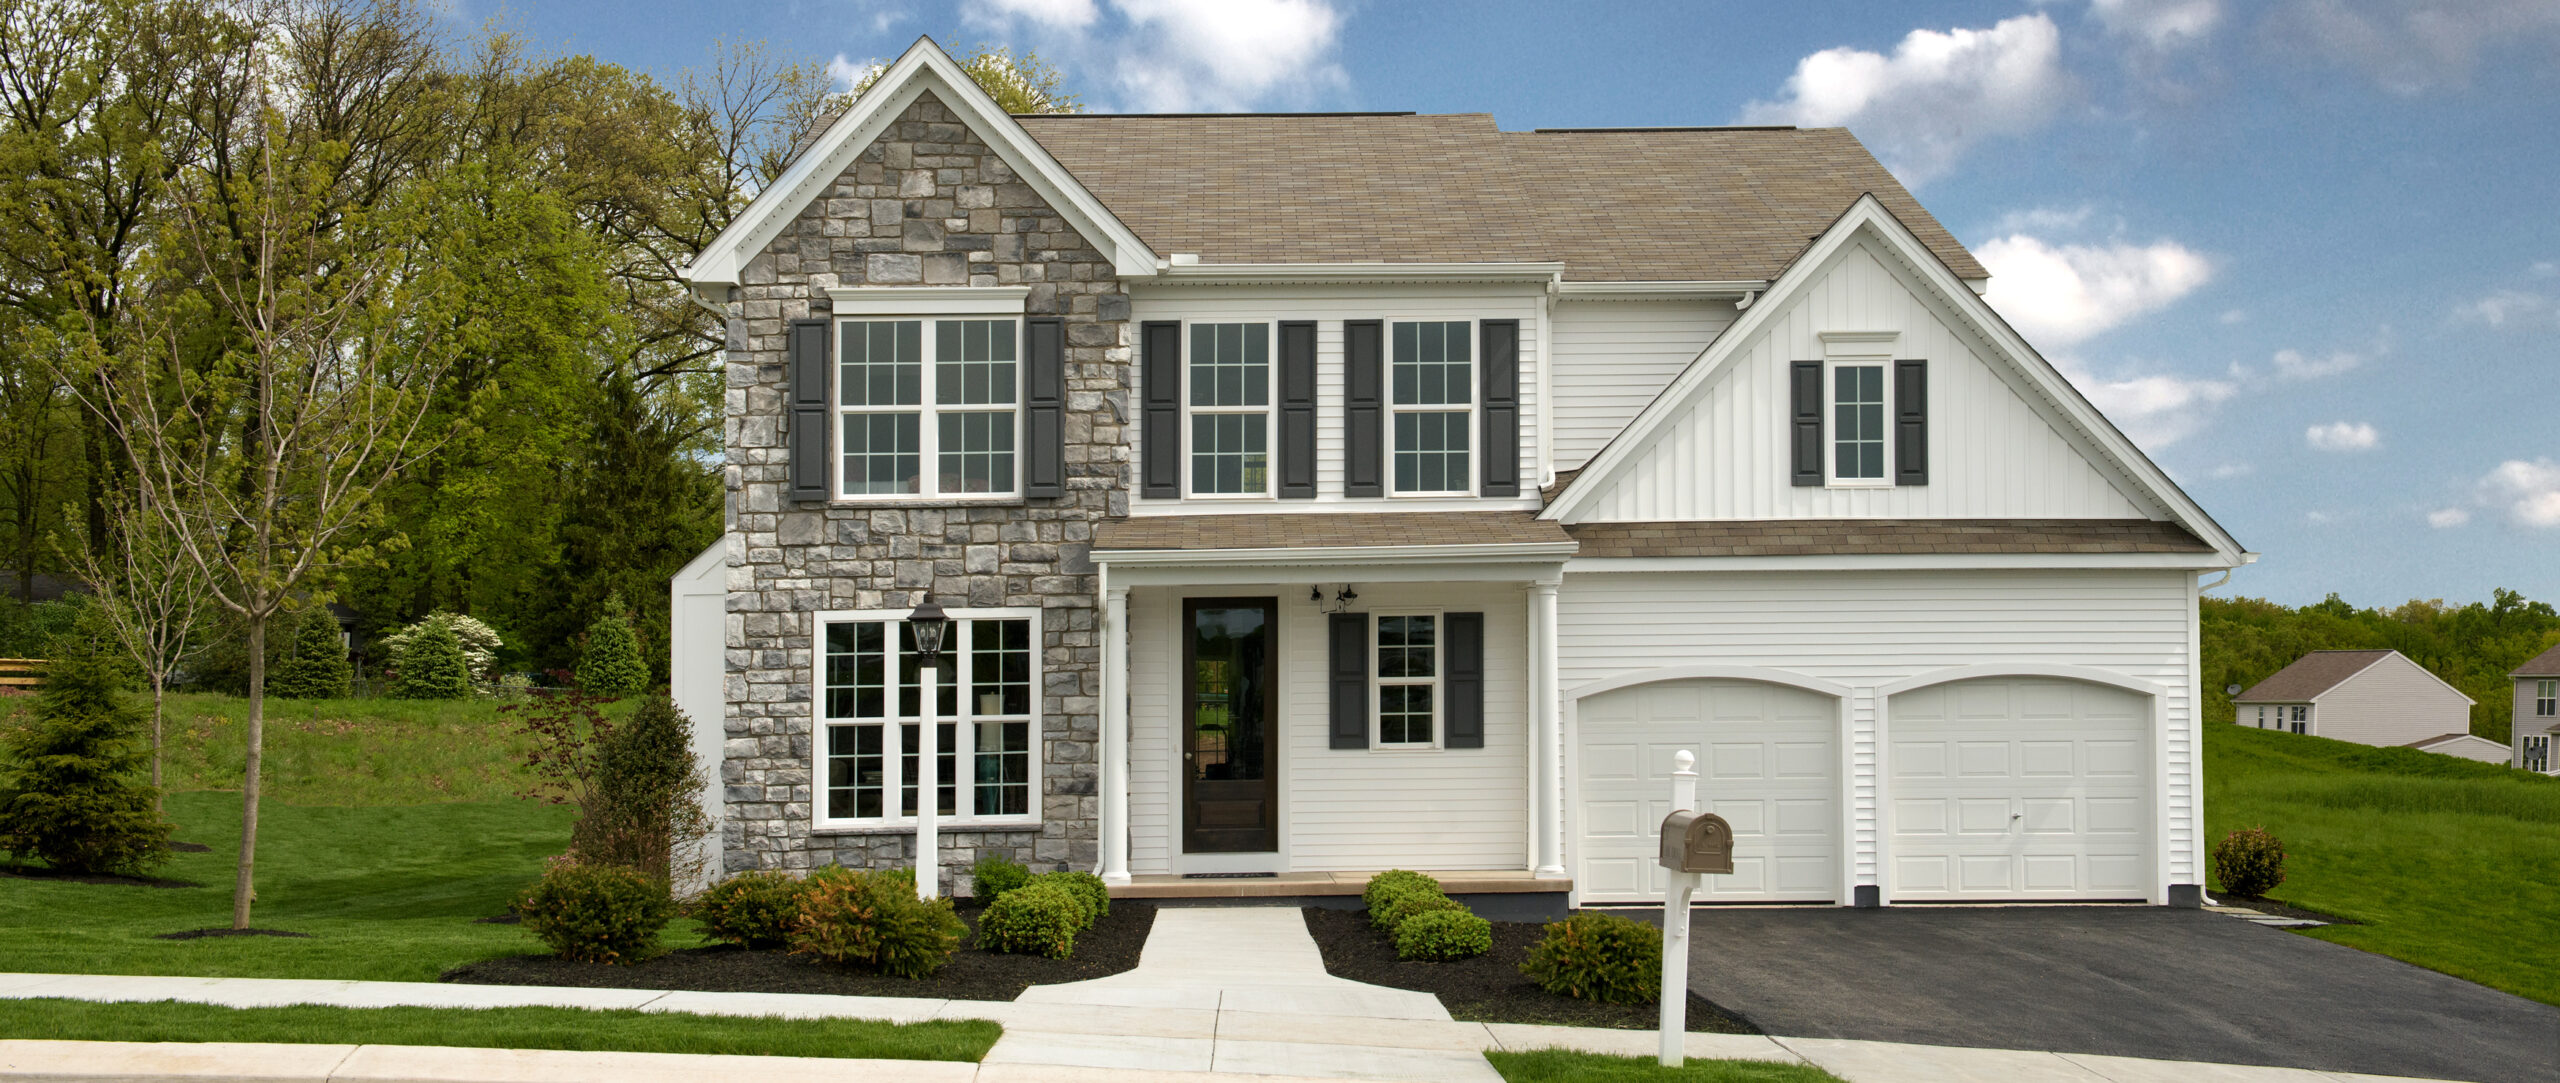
<point>1767,762</point>
<point>2019,789</point>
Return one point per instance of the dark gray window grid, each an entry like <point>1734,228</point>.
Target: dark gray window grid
<point>1408,676</point>
<point>1229,380</point>
<point>1858,423</point>
<point>1431,391</point>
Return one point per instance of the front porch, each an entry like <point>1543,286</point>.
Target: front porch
<point>1498,896</point>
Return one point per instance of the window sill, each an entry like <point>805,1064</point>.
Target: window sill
<point>908,827</point>
<point>920,501</point>
<point>1838,484</point>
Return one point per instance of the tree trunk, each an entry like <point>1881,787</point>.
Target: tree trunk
<point>242,889</point>
<point>159,689</point>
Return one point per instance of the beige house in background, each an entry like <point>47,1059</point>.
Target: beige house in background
<point>2369,697</point>
<point>2537,717</point>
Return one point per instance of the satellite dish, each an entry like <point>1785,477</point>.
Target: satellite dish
<point>2230,689</point>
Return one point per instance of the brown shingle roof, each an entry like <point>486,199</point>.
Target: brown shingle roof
<point>1614,206</point>
<point>1829,537</point>
<point>1325,531</point>
<point>2309,676</point>
<point>2545,664</point>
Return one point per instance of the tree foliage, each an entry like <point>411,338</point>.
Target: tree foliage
<point>431,666</point>
<point>316,667</point>
<point>609,664</point>
<point>640,808</point>
<point>73,796</point>
<point>2472,647</point>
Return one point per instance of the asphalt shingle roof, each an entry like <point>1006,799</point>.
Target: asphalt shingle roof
<point>2545,664</point>
<point>2309,676</point>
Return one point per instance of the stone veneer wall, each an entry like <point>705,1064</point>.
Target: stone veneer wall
<point>927,204</point>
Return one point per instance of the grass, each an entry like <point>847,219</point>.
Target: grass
<point>351,751</point>
<point>2449,863</point>
<point>500,1028</point>
<point>1567,1066</point>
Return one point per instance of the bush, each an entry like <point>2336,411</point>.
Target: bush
<point>480,643</point>
<point>1441,935</point>
<point>639,807</point>
<point>1407,905</point>
<point>317,667</point>
<point>432,667</point>
<point>874,920</point>
<point>1097,894</point>
<point>72,795</point>
<point>995,874</point>
<point>597,913</point>
<point>1087,912</point>
<point>751,909</point>
<point>1391,881</point>
<point>1603,957</point>
<point>1039,918</point>
<point>609,664</point>
<point>2249,862</point>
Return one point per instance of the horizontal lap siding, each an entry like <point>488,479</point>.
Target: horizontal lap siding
<point>1154,655</point>
<point>1613,357</point>
<point>2393,702</point>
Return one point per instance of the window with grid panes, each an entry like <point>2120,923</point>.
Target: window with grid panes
<point>1408,680</point>
<point>943,393</point>
<point>1858,419</point>
<point>1431,397</point>
<point>1230,393</point>
<point>987,719</point>
<point>2546,699</point>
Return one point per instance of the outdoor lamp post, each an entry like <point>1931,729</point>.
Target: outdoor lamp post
<point>929,626</point>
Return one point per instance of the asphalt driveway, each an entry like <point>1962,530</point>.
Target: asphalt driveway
<point>2126,981</point>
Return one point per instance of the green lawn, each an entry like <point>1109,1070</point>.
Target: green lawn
<point>502,1028</point>
<point>2449,863</point>
<point>351,751</point>
<point>1565,1066</point>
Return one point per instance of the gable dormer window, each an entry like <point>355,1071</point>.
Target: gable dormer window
<point>1858,433</point>
<point>928,407</point>
<point>1431,396</point>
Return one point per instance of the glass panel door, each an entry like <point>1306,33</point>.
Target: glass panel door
<point>1230,799</point>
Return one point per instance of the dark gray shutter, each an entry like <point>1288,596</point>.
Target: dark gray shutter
<point>1298,410</point>
<point>1804,384</point>
<point>1348,679</point>
<point>1160,423</point>
<point>1364,349</point>
<point>1501,406</point>
<point>1911,423</point>
<point>806,437</point>
<point>1463,650</point>
<point>1044,408</point>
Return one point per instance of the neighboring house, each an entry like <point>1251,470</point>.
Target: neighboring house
<point>1328,493</point>
<point>2537,717</point>
<point>2369,697</point>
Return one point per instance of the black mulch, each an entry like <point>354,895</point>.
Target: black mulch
<point>1110,947</point>
<point>31,872</point>
<point>191,847</point>
<point>2282,910</point>
<point>205,934</point>
<point>499,919</point>
<point>1488,988</point>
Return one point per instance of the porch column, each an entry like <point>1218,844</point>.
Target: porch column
<point>1115,735</point>
<point>1546,726</point>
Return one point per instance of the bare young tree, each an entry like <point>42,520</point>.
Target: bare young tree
<point>153,596</point>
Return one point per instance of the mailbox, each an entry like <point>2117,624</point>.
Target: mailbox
<point>1697,842</point>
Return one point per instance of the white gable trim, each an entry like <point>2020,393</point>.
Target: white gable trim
<point>2405,660</point>
<point>924,67</point>
<point>2082,423</point>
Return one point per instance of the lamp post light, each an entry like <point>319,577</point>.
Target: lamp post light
<point>929,626</point>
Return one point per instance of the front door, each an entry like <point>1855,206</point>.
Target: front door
<point>1230,799</point>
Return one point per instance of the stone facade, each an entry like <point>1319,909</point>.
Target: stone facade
<point>926,204</point>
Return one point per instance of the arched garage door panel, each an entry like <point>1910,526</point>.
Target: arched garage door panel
<point>1767,762</point>
<point>2020,788</point>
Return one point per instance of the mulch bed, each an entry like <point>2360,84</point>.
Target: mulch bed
<point>1489,988</point>
<point>499,919</point>
<point>2276,909</point>
<point>1110,947</point>
<point>191,847</point>
<point>29,872</point>
<point>205,934</point>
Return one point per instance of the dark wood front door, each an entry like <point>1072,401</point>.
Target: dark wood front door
<point>1230,797</point>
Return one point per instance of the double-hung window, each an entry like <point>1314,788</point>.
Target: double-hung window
<point>928,407</point>
<point>1432,401</point>
<point>870,711</point>
<point>1230,380</point>
<point>2535,754</point>
<point>2301,719</point>
<point>1859,423</point>
<point>1408,681</point>
<point>2546,699</point>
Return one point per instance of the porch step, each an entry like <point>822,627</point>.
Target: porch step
<point>1298,884</point>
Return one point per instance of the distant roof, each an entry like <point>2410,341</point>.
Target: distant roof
<point>2545,664</point>
<point>2444,737</point>
<point>1614,205</point>
<point>1828,537</point>
<point>2311,675</point>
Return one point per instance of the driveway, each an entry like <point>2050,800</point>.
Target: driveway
<point>2126,981</point>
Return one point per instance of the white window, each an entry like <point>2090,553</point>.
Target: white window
<point>2546,699</point>
<point>2262,718</point>
<point>870,703</point>
<point>2535,755</point>
<point>1860,416</point>
<point>1408,680</point>
<point>1431,405</point>
<point>2301,719</point>
<point>928,407</point>
<point>1230,377</point>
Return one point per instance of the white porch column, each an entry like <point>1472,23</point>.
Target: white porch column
<point>1546,726</point>
<point>1115,735</point>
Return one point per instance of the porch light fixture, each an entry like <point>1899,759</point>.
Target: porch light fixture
<point>1343,598</point>
<point>929,626</point>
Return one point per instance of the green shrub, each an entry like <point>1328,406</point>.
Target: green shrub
<point>1438,936</point>
<point>597,913</point>
<point>752,909</point>
<point>73,794</point>
<point>317,668</point>
<point>1408,905</point>
<point>431,666</point>
<point>874,920</point>
<point>1394,895</point>
<point>995,874</point>
<point>609,664</point>
<point>1096,894</point>
<point>2249,862</point>
<point>1603,957</point>
<point>638,808</point>
<point>1038,918</point>
<point>1390,881</point>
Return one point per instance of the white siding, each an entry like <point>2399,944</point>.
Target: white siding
<point>2392,702</point>
<point>1865,629</point>
<point>1613,357</point>
<point>1992,454</point>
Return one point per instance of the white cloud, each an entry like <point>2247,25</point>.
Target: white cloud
<point>1172,56</point>
<point>2228,471</point>
<point>1940,92</point>
<point>2058,295</point>
<point>2158,23</point>
<point>2447,518</point>
<point>2232,316</point>
<point>2292,365</point>
<point>1057,14</point>
<point>2342,436</point>
<point>2410,47</point>
<point>849,73</point>
<point>2503,305</point>
<point>2318,518</point>
<point>2545,269</point>
<point>2155,410</point>
<point>2527,493</point>
<point>2045,219</point>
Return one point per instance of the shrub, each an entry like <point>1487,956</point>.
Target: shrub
<point>480,643</point>
<point>597,913</point>
<point>432,667</point>
<point>995,874</point>
<point>874,920</point>
<point>609,664</point>
<point>72,795</point>
<point>1405,906</point>
<point>1441,935</point>
<point>752,909</point>
<point>1603,957</point>
<point>2249,862</point>
<point>1039,918</point>
<point>638,807</point>
<point>1096,893</point>
<point>1391,881</point>
<point>1086,912</point>
<point>317,668</point>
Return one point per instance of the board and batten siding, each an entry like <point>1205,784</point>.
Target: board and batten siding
<point>1992,455</point>
<point>1344,810</point>
<point>1328,306</point>
<point>697,663</point>
<point>2391,702</point>
<point>1613,357</point>
<point>1865,629</point>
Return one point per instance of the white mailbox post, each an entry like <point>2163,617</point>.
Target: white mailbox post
<point>1679,886</point>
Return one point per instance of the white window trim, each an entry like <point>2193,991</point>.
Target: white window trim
<point>869,302</point>
<point>2534,747</point>
<point>1438,683</point>
<point>927,411</point>
<point>2546,698</point>
<point>1475,400</point>
<point>895,816</point>
<point>1270,409</point>
<point>1831,478</point>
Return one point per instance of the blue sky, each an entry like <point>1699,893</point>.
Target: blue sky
<point>2304,251</point>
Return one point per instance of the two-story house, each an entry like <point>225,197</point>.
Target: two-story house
<point>2537,713</point>
<point>1319,494</point>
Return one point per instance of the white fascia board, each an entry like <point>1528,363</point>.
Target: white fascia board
<point>1834,562</point>
<point>923,67</point>
<point>714,554</point>
<point>1659,291</point>
<point>1257,274</point>
<point>1238,575</point>
<point>1341,554</point>
<point>928,300</point>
